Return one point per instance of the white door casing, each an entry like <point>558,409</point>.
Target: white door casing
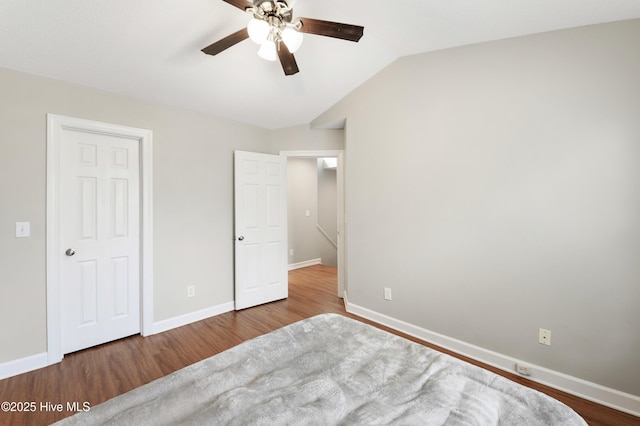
<point>261,273</point>
<point>99,205</point>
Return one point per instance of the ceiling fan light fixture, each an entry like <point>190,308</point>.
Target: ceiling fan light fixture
<point>292,38</point>
<point>268,51</point>
<point>258,30</point>
<point>273,28</point>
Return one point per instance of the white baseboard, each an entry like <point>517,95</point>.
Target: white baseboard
<point>304,264</point>
<point>23,365</point>
<point>179,321</point>
<point>34,362</point>
<point>618,400</point>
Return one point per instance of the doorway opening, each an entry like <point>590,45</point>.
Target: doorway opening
<point>320,211</point>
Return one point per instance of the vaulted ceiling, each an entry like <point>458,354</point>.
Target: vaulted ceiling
<point>150,49</point>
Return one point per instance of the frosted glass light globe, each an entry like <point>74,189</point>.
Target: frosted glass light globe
<point>292,38</point>
<point>268,51</point>
<point>258,30</point>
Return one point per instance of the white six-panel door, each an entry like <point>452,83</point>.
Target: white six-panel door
<point>261,274</point>
<point>99,238</point>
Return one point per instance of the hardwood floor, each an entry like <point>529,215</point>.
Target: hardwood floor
<point>100,373</point>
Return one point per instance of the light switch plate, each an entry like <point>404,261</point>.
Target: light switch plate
<point>23,229</point>
<point>387,293</point>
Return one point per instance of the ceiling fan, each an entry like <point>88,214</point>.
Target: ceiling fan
<point>273,28</point>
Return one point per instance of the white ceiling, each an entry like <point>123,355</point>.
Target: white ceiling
<point>150,49</point>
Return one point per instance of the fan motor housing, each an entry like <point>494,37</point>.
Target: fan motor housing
<point>269,8</point>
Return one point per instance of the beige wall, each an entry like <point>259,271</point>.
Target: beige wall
<point>328,212</point>
<point>193,196</point>
<point>303,138</point>
<point>310,188</point>
<point>193,213</point>
<point>496,189</point>
<point>302,196</point>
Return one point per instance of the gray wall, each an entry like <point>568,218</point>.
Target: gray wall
<point>301,138</point>
<point>328,212</point>
<point>496,189</point>
<point>303,192</point>
<point>193,193</point>
<point>193,197</point>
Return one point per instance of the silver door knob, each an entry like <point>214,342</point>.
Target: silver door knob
<point>70,252</point>
<point>240,238</point>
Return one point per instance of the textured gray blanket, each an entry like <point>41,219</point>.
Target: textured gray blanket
<point>330,370</point>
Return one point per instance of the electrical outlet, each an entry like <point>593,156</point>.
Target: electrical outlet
<point>387,293</point>
<point>544,337</point>
<point>523,370</point>
<point>191,291</point>
<point>290,252</point>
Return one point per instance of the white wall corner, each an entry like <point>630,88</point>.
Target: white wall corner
<point>179,321</point>
<point>603,395</point>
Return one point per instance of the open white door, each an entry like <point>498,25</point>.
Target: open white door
<point>261,274</point>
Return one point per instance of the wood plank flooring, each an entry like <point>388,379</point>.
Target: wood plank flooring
<point>100,373</point>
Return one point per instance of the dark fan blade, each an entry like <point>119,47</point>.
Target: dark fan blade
<point>289,65</point>
<point>226,42</point>
<point>331,29</point>
<point>240,4</point>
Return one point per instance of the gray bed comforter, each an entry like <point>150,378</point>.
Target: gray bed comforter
<point>330,370</point>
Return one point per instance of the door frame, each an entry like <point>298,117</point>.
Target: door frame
<point>55,125</point>
<point>339,154</point>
